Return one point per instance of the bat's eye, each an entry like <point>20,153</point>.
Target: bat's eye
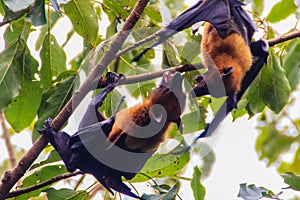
<point>227,71</point>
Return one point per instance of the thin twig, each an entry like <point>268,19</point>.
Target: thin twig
<point>43,184</point>
<point>9,148</point>
<point>156,74</point>
<point>272,42</point>
<point>283,38</point>
<point>95,190</point>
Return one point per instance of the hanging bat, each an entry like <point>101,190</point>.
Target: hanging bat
<point>232,60</point>
<point>216,12</point>
<point>120,145</point>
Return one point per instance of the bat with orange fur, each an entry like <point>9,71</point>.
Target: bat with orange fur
<point>120,145</point>
<point>231,58</point>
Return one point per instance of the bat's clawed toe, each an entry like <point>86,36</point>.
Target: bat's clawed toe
<point>113,78</point>
<point>47,128</point>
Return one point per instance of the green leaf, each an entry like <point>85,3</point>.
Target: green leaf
<point>171,194</point>
<point>186,54</point>
<point>10,83</point>
<point>292,180</point>
<point>44,30</point>
<point>208,156</point>
<point>41,175</point>
<point>163,165</point>
<point>117,9</point>
<point>197,187</point>
<point>17,29</point>
<point>21,112</point>
<point>270,88</point>
<point>254,95</point>
<point>153,11</point>
<point>111,30</point>
<point>271,143</point>
<point>258,7</point>
<point>2,11</point>
<point>83,18</point>
<point>165,194</point>
<point>16,62</point>
<point>251,192</point>
<point>294,166</point>
<point>54,100</point>
<point>53,60</point>
<point>190,120</point>
<point>292,65</point>
<point>64,193</point>
<point>170,57</point>
<point>241,111</point>
<point>53,157</point>
<point>277,14</point>
<point>276,89</point>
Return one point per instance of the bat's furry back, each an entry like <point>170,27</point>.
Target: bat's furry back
<point>224,53</point>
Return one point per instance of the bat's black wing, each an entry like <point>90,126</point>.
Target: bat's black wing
<point>260,54</point>
<point>217,12</point>
<point>91,115</point>
<point>90,155</point>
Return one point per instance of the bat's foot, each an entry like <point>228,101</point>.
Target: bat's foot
<point>113,78</point>
<point>47,128</point>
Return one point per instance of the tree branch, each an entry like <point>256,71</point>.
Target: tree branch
<point>156,74</point>
<point>271,42</point>
<point>43,184</point>
<point>11,155</point>
<point>11,177</point>
<point>283,38</point>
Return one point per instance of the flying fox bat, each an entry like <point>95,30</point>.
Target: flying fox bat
<point>216,12</point>
<point>232,60</point>
<point>121,144</point>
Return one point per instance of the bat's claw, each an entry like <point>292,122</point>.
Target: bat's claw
<point>47,128</point>
<point>113,78</point>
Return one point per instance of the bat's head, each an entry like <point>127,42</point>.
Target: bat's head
<point>170,95</point>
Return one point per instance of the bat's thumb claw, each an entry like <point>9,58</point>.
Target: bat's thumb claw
<point>47,128</point>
